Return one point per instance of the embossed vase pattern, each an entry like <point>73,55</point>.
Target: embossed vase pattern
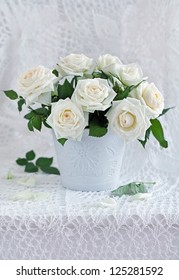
<point>92,164</point>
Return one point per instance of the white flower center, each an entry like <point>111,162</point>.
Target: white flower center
<point>132,71</point>
<point>28,75</point>
<point>67,116</point>
<point>94,89</point>
<point>126,120</point>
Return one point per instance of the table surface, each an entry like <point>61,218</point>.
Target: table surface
<point>40,219</point>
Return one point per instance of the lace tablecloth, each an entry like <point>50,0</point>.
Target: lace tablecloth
<point>71,225</point>
<point>55,223</point>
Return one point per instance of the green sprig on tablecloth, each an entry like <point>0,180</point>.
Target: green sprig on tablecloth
<point>131,189</point>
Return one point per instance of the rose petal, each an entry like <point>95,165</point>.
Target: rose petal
<point>107,203</point>
<point>27,181</point>
<point>9,175</point>
<point>24,195</point>
<point>29,195</point>
<point>140,196</point>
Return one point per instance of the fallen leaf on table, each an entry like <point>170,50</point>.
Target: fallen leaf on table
<point>131,189</point>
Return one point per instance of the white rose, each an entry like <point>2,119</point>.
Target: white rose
<point>93,94</point>
<point>67,119</point>
<point>75,64</point>
<point>130,74</point>
<point>36,85</point>
<point>149,95</point>
<point>128,118</point>
<point>109,64</point>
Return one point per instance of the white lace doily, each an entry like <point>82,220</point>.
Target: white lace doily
<point>62,224</point>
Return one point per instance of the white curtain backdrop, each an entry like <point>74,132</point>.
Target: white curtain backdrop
<point>36,33</point>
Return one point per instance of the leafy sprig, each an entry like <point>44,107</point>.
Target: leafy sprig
<point>131,189</point>
<point>42,163</point>
<point>157,130</point>
<point>14,96</point>
<point>37,117</point>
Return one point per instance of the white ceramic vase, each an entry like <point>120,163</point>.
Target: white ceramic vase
<point>92,164</point>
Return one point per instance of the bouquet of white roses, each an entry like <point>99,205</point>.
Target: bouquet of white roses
<point>100,95</point>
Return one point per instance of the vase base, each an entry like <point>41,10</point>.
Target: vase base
<point>90,188</point>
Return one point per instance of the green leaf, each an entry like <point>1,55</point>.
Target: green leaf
<point>147,135</point>
<point>50,170</point>
<point>130,189</point>
<point>41,111</point>
<point>96,130</point>
<point>158,133</point>
<point>96,74</point>
<point>123,93</point>
<point>30,167</point>
<point>37,122</point>
<point>21,161</point>
<point>46,124</point>
<point>55,98</point>
<point>111,80</point>
<point>62,141</point>
<point>55,72</point>
<point>165,111</point>
<point>36,117</point>
<point>44,161</point>
<point>30,126</point>
<point>20,103</point>
<point>100,74</point>
<point>29,115</point>
<point>99,117</point>
<point>30,155</point>
<point>74,81</point>
<point>11,94</point>
<point>98,123</point>
<point>65,90</point>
